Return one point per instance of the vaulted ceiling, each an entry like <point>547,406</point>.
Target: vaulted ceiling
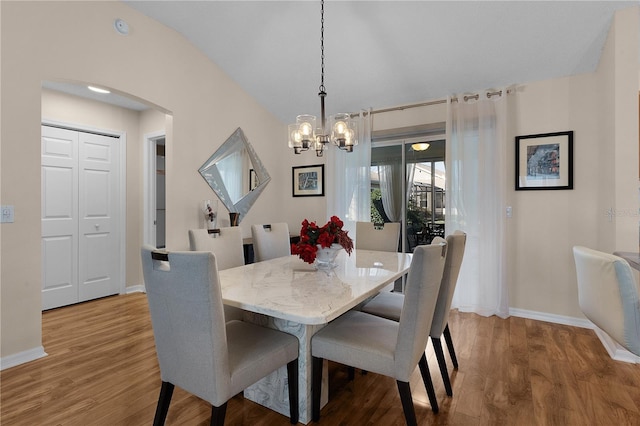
<point>386,53</point>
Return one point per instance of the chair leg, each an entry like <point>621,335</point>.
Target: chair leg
<point>407,403</point>
<point>166,392</point>
<point>442,363</point>
<point>351,373</point>
<point>316,388</point>
<point>428,384</point>
<point>452,352</point>
<point>218,414</point>
<point>292,381</point>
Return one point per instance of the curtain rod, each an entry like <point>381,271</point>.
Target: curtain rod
<point>438,102</point>
<point>400,108</point>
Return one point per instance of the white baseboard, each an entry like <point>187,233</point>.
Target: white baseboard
<point>135,289</point>
<point>614,350</point>
<point>556,319</point>
<point>22,357</point>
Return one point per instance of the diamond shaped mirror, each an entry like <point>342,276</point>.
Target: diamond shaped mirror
<point>236,174</point>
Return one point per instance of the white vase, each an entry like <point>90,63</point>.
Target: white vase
<point>325,257</point>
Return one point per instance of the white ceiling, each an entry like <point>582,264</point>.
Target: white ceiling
<point>381,54</point>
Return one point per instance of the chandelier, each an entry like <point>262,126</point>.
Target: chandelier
<point>341,130</point>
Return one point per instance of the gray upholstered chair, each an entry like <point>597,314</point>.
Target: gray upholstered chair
<point>609,295</point>
<point>226,245</point>
<point>389,305</point>
<point>197,350</point>
<point>384,237</point>
<point>270,241</point>
<point>382,346</point>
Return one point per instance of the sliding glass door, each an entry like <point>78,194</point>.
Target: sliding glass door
<point>408,186</point>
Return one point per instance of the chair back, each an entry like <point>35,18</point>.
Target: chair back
<point>608,295</point>
<point>185,303</point>
<point>421,293</point>
<point>370,236</point>
<point>455,252</point>
<point>226,244</point>
<point>270,241</point>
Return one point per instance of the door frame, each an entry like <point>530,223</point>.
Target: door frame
<point>122,187</point>
<point>149,184</point>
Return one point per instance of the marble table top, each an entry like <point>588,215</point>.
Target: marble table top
<point>291,289</point>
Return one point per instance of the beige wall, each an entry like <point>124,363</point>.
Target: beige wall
<point>546,224</point>
<point>75,41</point>
<point>602,210</point>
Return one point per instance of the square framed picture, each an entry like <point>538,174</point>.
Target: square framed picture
<point>308,181</point>
<point>544,161</point>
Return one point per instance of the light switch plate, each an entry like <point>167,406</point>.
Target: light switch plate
<point>7,214</point>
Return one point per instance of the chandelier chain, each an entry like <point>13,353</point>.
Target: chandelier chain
<point>322,89</point>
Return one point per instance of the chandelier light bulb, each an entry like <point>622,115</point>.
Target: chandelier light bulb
<point>349,136</point>
<point>305,129</point>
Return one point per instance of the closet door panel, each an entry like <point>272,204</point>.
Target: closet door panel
<point>59,174</point>
<point>98,216</point>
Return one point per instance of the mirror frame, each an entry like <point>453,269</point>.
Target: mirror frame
<point>209,171</point>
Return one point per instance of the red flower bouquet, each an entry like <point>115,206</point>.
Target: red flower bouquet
<point>312,236</point>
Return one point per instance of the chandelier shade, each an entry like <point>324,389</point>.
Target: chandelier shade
<point>343,131</point>
<point>307,133</point>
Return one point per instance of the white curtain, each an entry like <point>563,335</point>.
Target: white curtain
<point>348,178</point>
<point>391,189</point>
<point>476,199</point>
<point>411,171</point>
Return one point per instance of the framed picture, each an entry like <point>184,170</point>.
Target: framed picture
<point>544,161</point>
<point>308,181</point>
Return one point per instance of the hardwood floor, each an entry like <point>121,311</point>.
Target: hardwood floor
<point>102,370</point>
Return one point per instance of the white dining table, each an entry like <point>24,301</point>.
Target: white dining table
<point>290,295</point>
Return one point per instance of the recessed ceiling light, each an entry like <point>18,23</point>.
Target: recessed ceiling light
<point>97,89</point>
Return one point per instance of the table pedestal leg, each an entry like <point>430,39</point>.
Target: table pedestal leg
<point>272,391</point>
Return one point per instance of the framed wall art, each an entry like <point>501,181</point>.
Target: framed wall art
<point>308,181</point>
<point>544,161</point>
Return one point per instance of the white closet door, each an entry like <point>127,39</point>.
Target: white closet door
<point>80,181</point>
<point>98,204</point>
<point>59,176</point>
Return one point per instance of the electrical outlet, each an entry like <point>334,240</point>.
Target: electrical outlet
<point>7,214</point>
<point>509,211</point>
